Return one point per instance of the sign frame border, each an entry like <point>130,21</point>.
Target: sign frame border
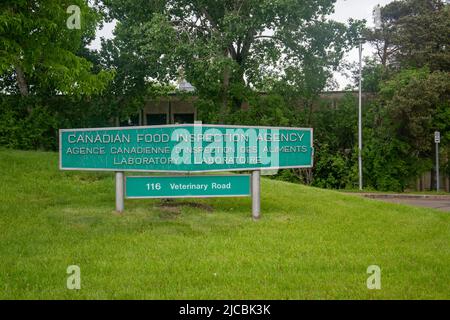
<point>184,171</point>
<point>179,197</point>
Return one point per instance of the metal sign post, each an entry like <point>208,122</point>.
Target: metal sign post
<point>119,192</point>
<point>256,194</point>
<point>437,140</point>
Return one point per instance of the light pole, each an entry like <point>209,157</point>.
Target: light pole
<point>360,117</point>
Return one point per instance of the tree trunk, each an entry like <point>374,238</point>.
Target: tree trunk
<point>238,78</point>
<point>23,86</point>
<point>21,81</point>
<point>384,57</point>
<point>225,87</point>
<point>309,105</point>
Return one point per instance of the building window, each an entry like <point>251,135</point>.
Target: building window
<point>156,119</point>
<point>182,118</point>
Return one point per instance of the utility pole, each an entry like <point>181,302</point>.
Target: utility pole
<point>360,117</point>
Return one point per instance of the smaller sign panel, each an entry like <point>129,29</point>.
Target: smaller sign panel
<point>187,186</point>
<point>437,137</point>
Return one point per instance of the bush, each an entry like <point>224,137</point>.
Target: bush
<point>334,170</point>
<point>21,129</point>
<point>33,123</point>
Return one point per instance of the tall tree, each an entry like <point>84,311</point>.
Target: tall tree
<point>413,33</point>
<point>228,49</point>
<point>39,48</point>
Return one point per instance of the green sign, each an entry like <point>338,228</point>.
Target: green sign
<point>187,186</point>
<point>185,148</point>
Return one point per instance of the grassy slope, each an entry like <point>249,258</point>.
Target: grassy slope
<point>310,243</point>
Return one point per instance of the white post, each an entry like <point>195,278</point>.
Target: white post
<point>256,194</point>
<point>119,192</point>
<point>360,119</point>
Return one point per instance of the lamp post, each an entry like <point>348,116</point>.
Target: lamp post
<point>360,117</point>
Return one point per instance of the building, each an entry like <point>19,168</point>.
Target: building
<point>175,109</point>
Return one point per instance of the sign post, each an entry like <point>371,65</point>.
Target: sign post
<point>437,140</point>
<point>120,206</point>
<point>256,194</point>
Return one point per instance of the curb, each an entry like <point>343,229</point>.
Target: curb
<point>402,196</point>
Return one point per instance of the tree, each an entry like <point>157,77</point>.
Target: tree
<point>229,49</point>
<point>413,33</point>
<point>40,54</point>
<point>412,81</point>
<point>399,145</point>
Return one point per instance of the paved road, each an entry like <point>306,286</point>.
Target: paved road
<point>439,204</point>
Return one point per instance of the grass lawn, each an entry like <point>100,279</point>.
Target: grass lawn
<point>309,244</point>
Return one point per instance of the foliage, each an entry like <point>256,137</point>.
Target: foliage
<point>373,73</point>
<point>266,110</point>
<point>335,129</point>
<point>333,170</point>
<point>413,33</point>
<point>38,129</point>
<point>35,130</point>
<point>228,49</point>
<point>39,54</point>
<point>413,99</point>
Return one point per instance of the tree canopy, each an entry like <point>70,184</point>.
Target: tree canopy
<point>40,54</point>
<point>228,49</point>
<point>413,33</point>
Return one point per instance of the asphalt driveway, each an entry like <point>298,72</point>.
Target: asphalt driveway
<point>440,202</point>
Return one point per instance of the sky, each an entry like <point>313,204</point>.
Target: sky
<point>344,10</point>
<point>358,10</point>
